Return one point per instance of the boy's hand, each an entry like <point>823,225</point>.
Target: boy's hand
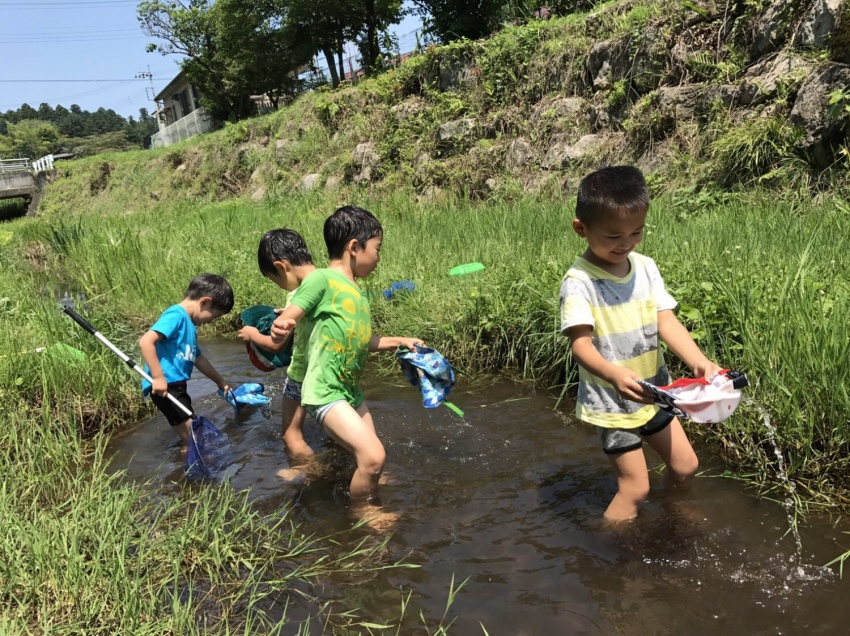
<point>410,343</point>
<point>159,386</point>
<point>705,369</point>
<point>246,334</point>
<point>626,384</point>
<point>281,328</point>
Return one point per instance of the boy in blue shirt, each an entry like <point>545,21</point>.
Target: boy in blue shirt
<point>170,348</point>
<point>285,259</point>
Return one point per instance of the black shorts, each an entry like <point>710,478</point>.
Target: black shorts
<point>622,440</point>
<point>173,414</point>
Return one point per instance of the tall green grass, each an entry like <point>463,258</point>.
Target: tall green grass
<point>81,551</point>
<point>759,282</point>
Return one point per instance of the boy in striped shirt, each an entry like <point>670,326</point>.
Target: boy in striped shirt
<point>614,309</point>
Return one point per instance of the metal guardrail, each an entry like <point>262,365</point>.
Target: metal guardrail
<point>15,165</point>
<point>45,163</point>
<point>11,166</point>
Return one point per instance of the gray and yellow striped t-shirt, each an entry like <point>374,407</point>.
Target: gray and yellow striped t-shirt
<point>623,313</point>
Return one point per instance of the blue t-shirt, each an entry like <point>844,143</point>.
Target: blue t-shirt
<point>178,348</point>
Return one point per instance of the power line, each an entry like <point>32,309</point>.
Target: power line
<point>50,81</point>
<point>64,40</point>
<point>54,6</point>
<point>98,29</point>
<point>75,32</point>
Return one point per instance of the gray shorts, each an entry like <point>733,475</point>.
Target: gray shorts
<point>319,412</point>
<point>622,440</point>
<point>292,390</point>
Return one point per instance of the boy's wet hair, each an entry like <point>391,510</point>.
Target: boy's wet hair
<point>282,245</point>
<point>610,191</point>
<point>214,286</point>
<point>349,222</point>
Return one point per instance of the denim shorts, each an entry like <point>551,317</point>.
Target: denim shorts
<point>292,390</point>
<point>622,440</point>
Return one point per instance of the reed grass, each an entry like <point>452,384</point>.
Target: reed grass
<point>758,283</point>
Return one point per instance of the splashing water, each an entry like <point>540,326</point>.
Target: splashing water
<point>788,503</point>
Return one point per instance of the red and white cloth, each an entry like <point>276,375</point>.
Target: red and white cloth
<point>698,399</point>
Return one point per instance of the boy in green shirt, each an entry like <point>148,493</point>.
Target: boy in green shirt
<point>336,313</point>
<point>285,259</point>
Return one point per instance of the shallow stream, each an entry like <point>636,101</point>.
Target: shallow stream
<point>511,499</point>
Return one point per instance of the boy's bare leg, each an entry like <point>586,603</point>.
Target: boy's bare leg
<point>677,454</point>
<point>355,430</point>
<point>293,431</point>
<point>632,485</point>
<point>184,430</point>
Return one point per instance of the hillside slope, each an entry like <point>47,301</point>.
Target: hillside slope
<point>703,95</point>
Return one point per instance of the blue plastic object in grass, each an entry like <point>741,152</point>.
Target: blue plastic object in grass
<point>248,394</point>
<point>428,370</point>
<point>398,286</point>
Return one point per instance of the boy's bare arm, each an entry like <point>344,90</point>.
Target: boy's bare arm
<point>679,339</point>
<point>391,343</point>
<point>205,366</point>
<point>623,380</point>
<point>147,346</point>
<point>285,323</point>
<point>252,334</point>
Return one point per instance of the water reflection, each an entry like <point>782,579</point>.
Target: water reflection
<point>511,498</point>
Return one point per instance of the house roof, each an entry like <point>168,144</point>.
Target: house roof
<point>169,88</point>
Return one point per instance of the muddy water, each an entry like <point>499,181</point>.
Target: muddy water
<point>510,498</point>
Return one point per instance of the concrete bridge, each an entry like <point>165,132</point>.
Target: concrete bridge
<point>22,179</point>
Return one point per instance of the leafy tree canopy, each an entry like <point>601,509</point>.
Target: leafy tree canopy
<point>71,123</point>
<point>233,49</point>
<point>30,138</point>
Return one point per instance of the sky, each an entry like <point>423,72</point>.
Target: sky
<point>89,52</point>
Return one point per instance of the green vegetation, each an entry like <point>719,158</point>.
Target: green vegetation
<point>747,271</point>
<point>27,132</point>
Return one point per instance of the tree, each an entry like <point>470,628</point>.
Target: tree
<point>377,16</point>
<point>233,49</point>
<point>30,138</point>
<point>326,27</point>
<point>450,20</point>
<point>73,125</point>
<point>321,27</point>
<point>137,131</point>
<point>45,112</point>
<point>27,112</point>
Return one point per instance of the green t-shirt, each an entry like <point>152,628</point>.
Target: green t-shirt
<point>340,329</point>
<point>300,341</point>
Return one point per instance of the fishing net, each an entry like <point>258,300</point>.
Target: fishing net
<point>205,446</point>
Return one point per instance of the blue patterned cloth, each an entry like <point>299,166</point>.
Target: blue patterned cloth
<point>248,394</point>
<point>428,370</point>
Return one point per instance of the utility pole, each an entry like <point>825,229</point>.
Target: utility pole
<point>152,96</point>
